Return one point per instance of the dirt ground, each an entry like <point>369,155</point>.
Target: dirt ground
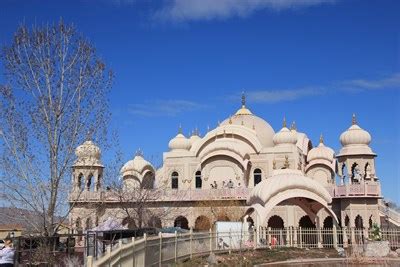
<point>253,257</point>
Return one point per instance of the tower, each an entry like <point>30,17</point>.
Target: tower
<point>87,169</point>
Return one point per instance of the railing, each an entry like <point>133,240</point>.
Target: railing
<point>155,251</point>
<point>240,193</point>
<point>357,190</point>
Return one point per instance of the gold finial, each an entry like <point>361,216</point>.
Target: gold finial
<point>180,129</point>
<point>208,128</point>
<point>293,126</point>
<point>274,165</point>
<point>354,120</point>
<point>219,123</point>
<point>284,122</point>
<point>230,119</point>
<point>224,133</point>
<point>321,139</point>
<point>243,100</point>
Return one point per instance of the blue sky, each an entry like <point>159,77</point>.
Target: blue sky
<point>187,62</point>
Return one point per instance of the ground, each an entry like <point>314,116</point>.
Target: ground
<point>252,257</point>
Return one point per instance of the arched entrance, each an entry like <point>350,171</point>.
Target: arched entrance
<point>305,222</point>
<point>327,235</point>
<point>275,222</point>
<point>358,222</point>
<point>202,223</point>
<point>181,222</point>
<point>222,217</point>
<point>328,222</point>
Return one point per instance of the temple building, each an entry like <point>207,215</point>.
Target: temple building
<point>242,169</point>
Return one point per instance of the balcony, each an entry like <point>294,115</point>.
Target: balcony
<point>356,190</point>
<point>165,195</point>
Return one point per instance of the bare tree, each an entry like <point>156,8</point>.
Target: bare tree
<point>55,94</point>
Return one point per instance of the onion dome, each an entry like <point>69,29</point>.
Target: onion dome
<point>321,152</point>
<point>136,166</point>
<point>194,137</point>
<point>179,142</point>
<point>285,136</point>
<point>88,154</point>
<point>355,141</point>
<point>355,135</point>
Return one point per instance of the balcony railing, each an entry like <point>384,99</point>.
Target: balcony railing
<point>165,195</point>
<point>357,190</point>
<point>240,193</point>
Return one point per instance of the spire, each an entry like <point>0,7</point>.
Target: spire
<point>321,139</point>
<point>354,120</point>
<point>284,122</point>
<point>243,100</point>
<point>180,129</point>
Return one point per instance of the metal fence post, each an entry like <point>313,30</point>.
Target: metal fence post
<point>211,248</point>
<point>334,231</point>
<point>295,237</point>
<point>133,252</point>
<point>120,249</point>
<point>190,242</point>
<point>300,238</point>
<point>160,248</point>
<point>176,246</point>
<point>145,248</point>
<point>230,241</point>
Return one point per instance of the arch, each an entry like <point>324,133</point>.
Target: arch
<point>358,222</point>
<point>370,222</point>
<point>181,222</point>
<point>89,182</point>
<point>356,176</point>
<point>129,223</point>
<point>276,221</point>
<point>226,153</point>
<point>237,132</point>
<point>154,221</point>
<point>175,180</point>
<point>88,224</point>
<point>305,222</point>
<point>223,217</point>
<point>202,223</point>
<point>257,176</point>
<point>148,180</point>
<point>98,182</point>
<point>328,222</point>
<point>199,181</point>
<point>347,221</point>
<point>79,181</point>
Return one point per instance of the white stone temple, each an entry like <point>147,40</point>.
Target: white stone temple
<point>241,170</point>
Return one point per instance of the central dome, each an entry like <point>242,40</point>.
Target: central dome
<point>245,118</point>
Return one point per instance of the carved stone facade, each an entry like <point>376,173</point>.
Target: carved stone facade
<point>240,168</point>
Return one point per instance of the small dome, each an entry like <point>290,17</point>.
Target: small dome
<point>179,142</point>
<point>285,136</point>
<point>88,154</point>
<point>135,166</point>
<point>321,152</point>
<point>194,138</point>
<point>355,135</point>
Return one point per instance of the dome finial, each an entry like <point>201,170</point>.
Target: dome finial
<point>321,139</point>
<point>293,126</point>
<point>243,100</point>
<point>180,129</point>
<point>354,119</point>
<point>139,152</point>
<point>284,122</point>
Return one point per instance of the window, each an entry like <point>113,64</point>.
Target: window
<point>257,176</point>
<point>174,180</point>
<point>198,179</point>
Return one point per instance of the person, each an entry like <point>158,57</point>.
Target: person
<point>7,254</point>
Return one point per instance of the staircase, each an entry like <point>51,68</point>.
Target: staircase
<point>392,215</point>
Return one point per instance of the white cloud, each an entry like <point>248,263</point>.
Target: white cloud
<point>389,82</point>
<point>192,10</point>
<point>274,96</point>
<point>164,108</point>
<point>350,86</point>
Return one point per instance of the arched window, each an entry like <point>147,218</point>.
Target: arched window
<point>174,180</point>
<point>199,182</point>
<point>257,176</point>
